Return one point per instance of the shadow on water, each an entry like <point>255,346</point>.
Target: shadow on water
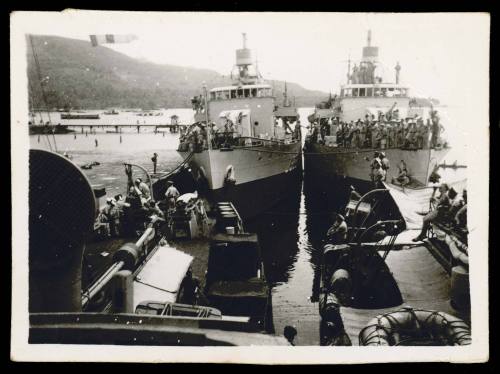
<point>291,236</point>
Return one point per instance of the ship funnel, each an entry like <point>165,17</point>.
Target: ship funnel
<point>61,217</point>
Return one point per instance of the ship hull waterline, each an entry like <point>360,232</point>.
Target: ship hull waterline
<point>352,166</point>
<point>263,176</point>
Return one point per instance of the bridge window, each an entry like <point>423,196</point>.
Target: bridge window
<point>247,92</point>
<point>362,92</point>
<point>355,92</point>
<point>254,92</point>
<point>240,93</point>
<point>384,92</point>
<point>233,94</point>
<point>376,92</point>
<point>369,92</point>
<point>347,92</point>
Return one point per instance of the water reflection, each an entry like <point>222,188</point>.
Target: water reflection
<point>291,237</point>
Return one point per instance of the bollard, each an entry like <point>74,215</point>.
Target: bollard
<point>123,292</point>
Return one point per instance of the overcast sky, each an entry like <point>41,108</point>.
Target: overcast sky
<point>441,55</point>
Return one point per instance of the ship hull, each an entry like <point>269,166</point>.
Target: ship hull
<point>263,175</point>
<point>352,166</point>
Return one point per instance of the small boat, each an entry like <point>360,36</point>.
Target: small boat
<point>235,280</point>
<point>49,129</point>
<point>79,116</point>
<point>366,273</point>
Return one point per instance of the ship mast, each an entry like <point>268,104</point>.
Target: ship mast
<point>286,103</point>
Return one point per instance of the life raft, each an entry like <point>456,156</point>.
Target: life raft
<point>410,326</point>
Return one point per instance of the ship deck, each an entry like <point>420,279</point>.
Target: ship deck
<point>423,283</point>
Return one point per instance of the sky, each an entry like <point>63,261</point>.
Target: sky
<point>440,54</point>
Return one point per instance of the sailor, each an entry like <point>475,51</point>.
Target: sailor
<point>425,137</point>
<point>375,135</point>
<point>296,130</point>
<point>112,216</point>
<point>384,162</point>
<point>460,218</point>
<point>442,206</point>
<point>455,202</point>
<point>315,132</point>
<point>411,135</point>
<point>436,128</point>
<point>340,134</point>
<point>144,190</point>
<point>155,160</point>
<point>154,210</point>
<point>337,233</point>
<point>378,175</point>
<point>355,142</point>
<point>420,133</point>
<point>376,159</point>
<point>171,195</point>
<point>121,205</point>
<point>400,134</point>
<point>382,135</point>
<point>403,178</point>
<point>368,137</point>
<point>362,134</point>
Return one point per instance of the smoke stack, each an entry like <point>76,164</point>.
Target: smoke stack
<point>62,212</point>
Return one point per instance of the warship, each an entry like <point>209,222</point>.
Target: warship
<point>249,151</point>
<point>365,100</point>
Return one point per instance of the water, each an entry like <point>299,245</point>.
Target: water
<point>290,234</point>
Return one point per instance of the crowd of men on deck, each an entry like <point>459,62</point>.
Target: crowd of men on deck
<point>383,132</point>
<point>448,208</point>
<point>126,215</point>
<point>196,137</point>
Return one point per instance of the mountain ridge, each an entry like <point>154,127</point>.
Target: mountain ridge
<point>76,75</point>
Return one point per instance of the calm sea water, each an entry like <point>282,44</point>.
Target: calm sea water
<point>290,234</point>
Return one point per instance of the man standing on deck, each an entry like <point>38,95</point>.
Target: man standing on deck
<point>378,176</point>
<point>442,206</point>
<point>384,163</point>
<point>171,195</point>
<point>436,128</point>
<point>155,160</point>
<point>144,189</point>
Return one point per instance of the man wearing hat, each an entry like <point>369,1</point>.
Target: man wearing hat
<point>171,195</point>
<point>441,208</point>
<point>111,214</point>
<point>337,234</point>
<point>145,194</point>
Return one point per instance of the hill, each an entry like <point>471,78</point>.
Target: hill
<point>79,76</point>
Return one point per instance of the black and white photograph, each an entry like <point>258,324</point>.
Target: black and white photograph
<point>254,187</point>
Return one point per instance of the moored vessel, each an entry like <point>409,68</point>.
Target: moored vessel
<point>370,115</point>
<point>244,148</point>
